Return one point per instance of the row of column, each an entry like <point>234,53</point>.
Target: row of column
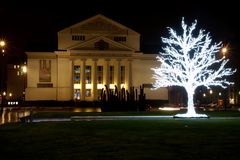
<point>128,76</point>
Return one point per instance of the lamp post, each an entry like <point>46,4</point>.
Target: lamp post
<point>2,80</point>
<point>24,70</point>
<point>211,96</point>
<point>224,50</point>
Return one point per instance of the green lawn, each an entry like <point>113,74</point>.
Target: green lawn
<point>192,139</point>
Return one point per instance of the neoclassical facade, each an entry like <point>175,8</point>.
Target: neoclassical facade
<point>95,52</point>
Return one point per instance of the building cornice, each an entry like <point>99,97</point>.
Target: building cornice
<point>39,55</point>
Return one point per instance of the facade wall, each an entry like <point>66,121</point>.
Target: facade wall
<point>142,74</point>
<point>98,26</point>
<point>96,43</point>
<point>36,94</point>
<point>65,40</point>
<point>37,90</point>
<point>94,86</point>
<point>64,79</point>
<point>134,41</point>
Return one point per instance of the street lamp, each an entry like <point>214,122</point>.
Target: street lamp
<point>24,70</point>
<point>211,96</point>
<point>2,45</point>
<point>2,80</point>
<point>224,51</point>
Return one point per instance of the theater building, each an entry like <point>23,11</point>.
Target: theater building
<point>92,53</point>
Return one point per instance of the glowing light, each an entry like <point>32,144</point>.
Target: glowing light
<point>77,86</point>
<point>210,91</point>
<point>224,51</point>
<point>88,86</point>
<point>2,43</point>
<point>187,62</point>
<point>191,115</point>
<point>231,100</point>
<point>169,109</point>
<point>112,86</point>
<point>100,86</point>
<point>24,69</point>
<point>122,85</point>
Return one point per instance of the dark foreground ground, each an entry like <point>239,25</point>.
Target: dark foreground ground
<point>193,139</point>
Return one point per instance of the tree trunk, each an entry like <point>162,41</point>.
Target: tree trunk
<point>190,107</point>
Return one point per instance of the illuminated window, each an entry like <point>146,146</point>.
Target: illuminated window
<point>76,74</point>
<point>99,74</point>
<point>77,94</point>
<point>122,74</point>
<point>88,93</point>
<point>111,75</point>
<point>88,74</point>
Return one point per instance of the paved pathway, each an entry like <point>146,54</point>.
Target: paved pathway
<point>92,118</point>
<point>79,118</point>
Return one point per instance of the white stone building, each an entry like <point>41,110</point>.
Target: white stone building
<point>91,53</point>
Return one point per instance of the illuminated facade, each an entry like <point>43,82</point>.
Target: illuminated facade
<point>95,52</point>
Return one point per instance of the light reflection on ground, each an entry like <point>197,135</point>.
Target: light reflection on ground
<point>13,114</point>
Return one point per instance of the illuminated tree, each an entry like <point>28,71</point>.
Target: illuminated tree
<point>189,60</point>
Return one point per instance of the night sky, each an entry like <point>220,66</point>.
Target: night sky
<point>33,26</point>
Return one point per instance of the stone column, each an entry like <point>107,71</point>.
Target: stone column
<point>94,79</point>
<point>83,80</point>
<point>107,72</point>
<point>129,84</point>
<point>119,74</point>
<point>71,66</point>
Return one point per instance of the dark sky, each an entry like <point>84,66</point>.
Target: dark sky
<point>33,25</point>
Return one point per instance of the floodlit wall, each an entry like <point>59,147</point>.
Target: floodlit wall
<point>142,74</point>
<point>36,88</point>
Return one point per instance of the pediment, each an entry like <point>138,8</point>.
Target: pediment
<point>98,24</point>
<point>101,43</point>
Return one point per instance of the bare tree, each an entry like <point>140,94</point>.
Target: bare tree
<point>189,60</point>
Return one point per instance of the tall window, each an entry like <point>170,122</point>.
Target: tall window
<point>111,75</point>
<point>88,74</point>
<point>76,81</point>
<point>122,74</point>
<point>76,74</point>
<point>99,74</point>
